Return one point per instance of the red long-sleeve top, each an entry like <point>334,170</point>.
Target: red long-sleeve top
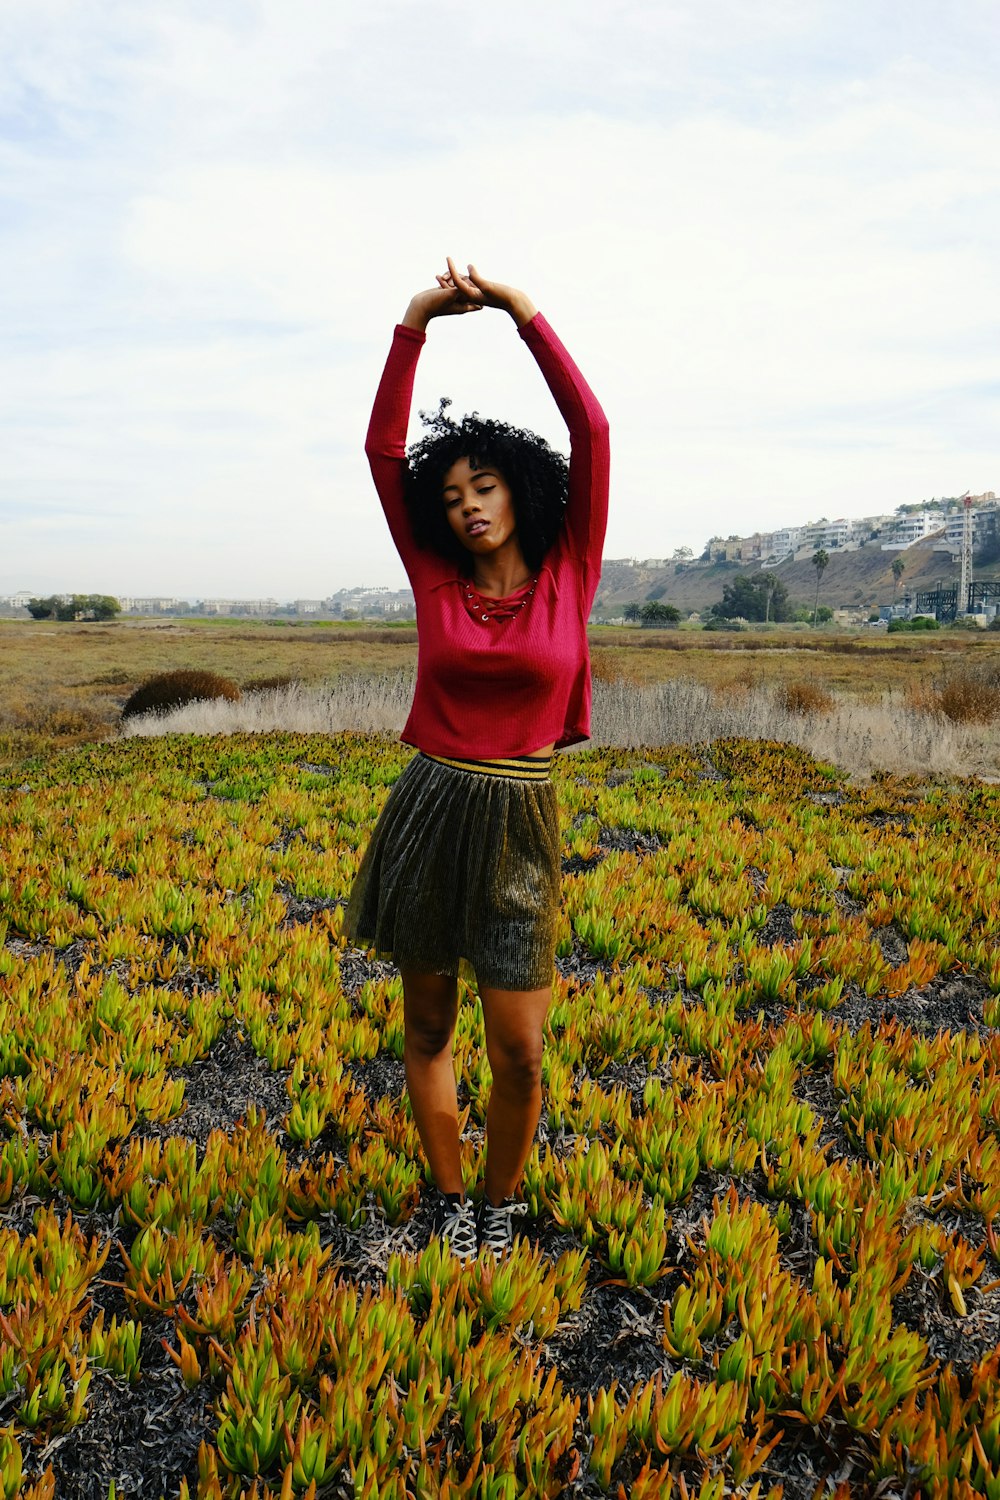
<point>500,687</point>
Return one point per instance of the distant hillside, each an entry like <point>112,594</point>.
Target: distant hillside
<point>861,579</point>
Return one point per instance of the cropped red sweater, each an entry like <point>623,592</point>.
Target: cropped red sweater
<point>500,687</point>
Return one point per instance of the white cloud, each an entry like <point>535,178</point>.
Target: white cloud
<point>765,238</point>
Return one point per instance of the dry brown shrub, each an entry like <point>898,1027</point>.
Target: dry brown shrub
<point>660,640</point>
<point>969,697</point>
<point>118,677</point>
<point>608,665</point>
<point>55,714</point>
<point>20,744</point>
<point>805,698</point>
<point>739,685</point>
<point>171,689</point>
<point>265,684</point>
<point>71,723</point>
<point>395,635</point>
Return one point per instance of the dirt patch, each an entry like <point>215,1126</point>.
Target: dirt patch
<point>948,1003</point>
<point>220,1089</point>
<point>144,1437</point>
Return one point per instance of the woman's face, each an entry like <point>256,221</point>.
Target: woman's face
<point>479,507</point>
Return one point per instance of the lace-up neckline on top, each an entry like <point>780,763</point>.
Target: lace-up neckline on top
<point>483,608</point>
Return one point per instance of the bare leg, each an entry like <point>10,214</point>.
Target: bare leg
<point>514,1021</point>
<point>430,1008</point>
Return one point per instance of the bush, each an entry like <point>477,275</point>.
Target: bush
<point>921,622</point>
<point>971,696</point>
<point>267,684</point>
<point>172,689</point>
<point>719,622</point>
<point>805,698</point>
<point>77,607</point>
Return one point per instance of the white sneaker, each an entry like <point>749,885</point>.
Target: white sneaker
<point>456,1223</point>
<point>496,1225</point>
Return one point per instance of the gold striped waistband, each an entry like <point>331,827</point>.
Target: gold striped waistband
<point>520,767</point>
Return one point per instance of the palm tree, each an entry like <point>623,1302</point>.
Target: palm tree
<point>820,558</point>
<point>655,613</point>
<point>631,611</point>
<point>898,569</point>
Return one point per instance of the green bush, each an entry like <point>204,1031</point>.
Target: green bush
<point>922,622</point>
<point>172,689</point>
<point>77,607</point>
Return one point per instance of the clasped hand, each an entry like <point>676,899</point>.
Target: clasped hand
<point>458,293</point>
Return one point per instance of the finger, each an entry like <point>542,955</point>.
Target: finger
<point>459,279</point>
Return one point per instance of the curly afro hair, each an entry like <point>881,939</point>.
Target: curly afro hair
<point>537,475</point>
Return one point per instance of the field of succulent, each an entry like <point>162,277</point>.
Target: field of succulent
<point>762,1246</point>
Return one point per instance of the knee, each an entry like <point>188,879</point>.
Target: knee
<point>427,1038</point>
<point>516,1062</point>
<point>430,1009</point>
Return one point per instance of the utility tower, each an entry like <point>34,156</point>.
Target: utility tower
<point>966,575</point>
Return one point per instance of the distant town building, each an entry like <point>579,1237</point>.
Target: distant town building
<point>828,535</point>
<point>726,548</point>
<point>985,519</point>
<point>908,529</point>
<point>770,547</point>
<point>237,606</point>
<point>371,603</point>
<point>150,606</point>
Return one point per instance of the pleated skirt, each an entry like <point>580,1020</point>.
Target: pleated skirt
<point>462,873</point>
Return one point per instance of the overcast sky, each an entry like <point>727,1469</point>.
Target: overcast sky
<point>769,235</point>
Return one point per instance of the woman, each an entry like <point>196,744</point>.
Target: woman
<point>502,542</point>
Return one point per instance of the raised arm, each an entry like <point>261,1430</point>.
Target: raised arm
<point>590,461</point>
<point>385,444</point>
<point>589,469</point>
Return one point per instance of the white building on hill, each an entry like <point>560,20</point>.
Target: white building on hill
<point>830,535</point>
<point>985,519</point>
<point>913,528</point>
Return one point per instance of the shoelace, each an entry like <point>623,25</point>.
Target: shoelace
<point>498,1225</point>
<point>458,1227</point>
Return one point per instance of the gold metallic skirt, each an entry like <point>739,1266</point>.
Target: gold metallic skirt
<point>463,869</point>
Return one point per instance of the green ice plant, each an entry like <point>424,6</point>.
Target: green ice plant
<point>11,1471</point>
<point>688,1416</point>
<point>313,1457</point>
<point>257,1408</point>
<point>116,1348</point>
<point>610,1434</point>
<point>639,1254</point>
<point>445,1335</point>
<point>56,1396</point>
<point>696,1310</point>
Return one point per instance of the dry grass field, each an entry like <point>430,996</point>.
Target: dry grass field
<point>66,684</point>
